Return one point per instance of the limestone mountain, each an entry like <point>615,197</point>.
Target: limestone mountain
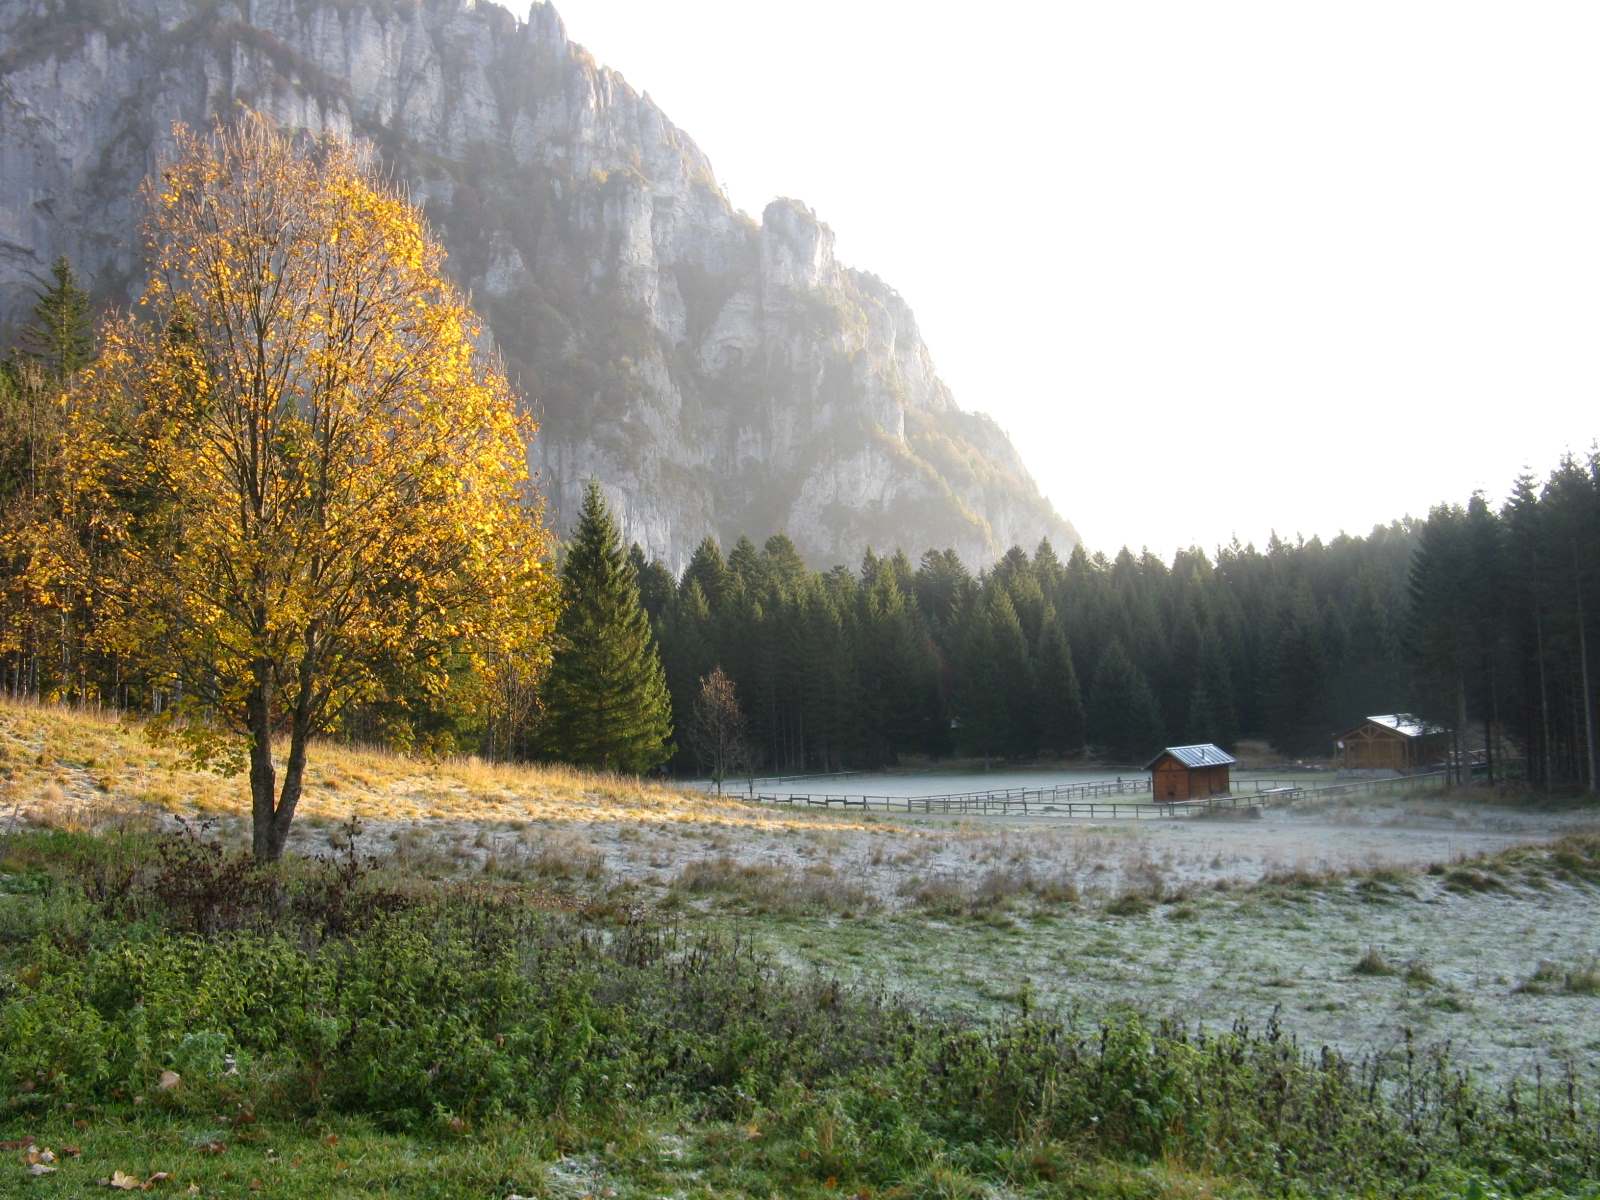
<point>715,374</point>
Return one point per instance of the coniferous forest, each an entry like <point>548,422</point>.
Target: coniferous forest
<point>1473,610</point>
<point>1481,616</point>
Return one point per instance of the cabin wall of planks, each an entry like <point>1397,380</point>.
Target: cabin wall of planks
<point>1374,747</point>
<point>1171,780</point>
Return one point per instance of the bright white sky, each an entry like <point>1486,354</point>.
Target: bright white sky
<point>1217,268</point>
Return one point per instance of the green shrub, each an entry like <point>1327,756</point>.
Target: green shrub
<point>316,991</point>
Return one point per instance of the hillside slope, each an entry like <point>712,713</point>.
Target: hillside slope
<point>716,375</point>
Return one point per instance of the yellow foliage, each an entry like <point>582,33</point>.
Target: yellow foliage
<point>42,744</point>
<point>309,483</point>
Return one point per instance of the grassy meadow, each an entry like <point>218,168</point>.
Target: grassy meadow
<point>506,981</point>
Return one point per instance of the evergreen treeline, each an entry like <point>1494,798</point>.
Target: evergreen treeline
<point>1482,619</point>
<point>1038,656</point>
<point>1502,623</point>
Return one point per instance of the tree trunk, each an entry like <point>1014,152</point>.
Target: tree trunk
<point>293,775</point>
<point>1490,711</point>
<point>1544,698</point>
<point>300,724</point>
<point>262,774</point>
<point>1583,666</point>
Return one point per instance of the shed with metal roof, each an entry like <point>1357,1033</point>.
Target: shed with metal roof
<point>1392,742</point>
<point>1189,772</point>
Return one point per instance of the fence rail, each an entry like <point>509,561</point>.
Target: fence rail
<point>808,775</point>
<point>1356,787</point>
<point>1085,800</point>
<point>998,800</point>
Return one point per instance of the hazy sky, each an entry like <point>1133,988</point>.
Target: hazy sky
<point>1217,267</point>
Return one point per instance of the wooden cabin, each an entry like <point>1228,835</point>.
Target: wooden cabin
<point>1189,772</point>
<point>1393,742</point>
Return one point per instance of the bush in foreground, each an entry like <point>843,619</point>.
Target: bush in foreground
<point>159,973</point>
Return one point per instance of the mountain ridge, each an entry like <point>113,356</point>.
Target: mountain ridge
<point>716,374</point>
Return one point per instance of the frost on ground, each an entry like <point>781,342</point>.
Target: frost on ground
<point>1359,919</point>
<point>1498,956</point>
<point>1203,921</point>
<point>889,861</point>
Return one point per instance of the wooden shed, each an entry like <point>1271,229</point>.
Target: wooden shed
<point>1189,772</point>
<point>1393,742</point>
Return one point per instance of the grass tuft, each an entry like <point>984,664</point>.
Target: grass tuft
<point>1373,963</point>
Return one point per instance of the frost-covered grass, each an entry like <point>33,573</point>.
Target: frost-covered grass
<point>177,1019</point>
<point>1503,971</point>
<point>1485,921</point>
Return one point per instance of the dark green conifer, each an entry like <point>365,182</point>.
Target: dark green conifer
<point>657,587</point>
<point>607,703</point>
<point>1299,721</point>
<point>708,569</point>
<point>60,336</point>
<point>1059,702</point>
<point>979,699</point>
<point>1124,719</point>
<point>744,563</point>
<point>1211,716</point>
<point>941,587</point>
<point>1019,735</point>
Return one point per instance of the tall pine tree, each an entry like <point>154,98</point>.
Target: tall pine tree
<point>60,337</point>
<point>606,700</point>
<point>1124,718</point>
<point>979,698</point>
<point>1058,702</point>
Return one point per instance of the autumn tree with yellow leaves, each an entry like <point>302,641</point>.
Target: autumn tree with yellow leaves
<point>306,483</point>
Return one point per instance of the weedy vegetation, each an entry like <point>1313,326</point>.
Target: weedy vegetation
<point>1372,962</point>
<point>334,1024</point>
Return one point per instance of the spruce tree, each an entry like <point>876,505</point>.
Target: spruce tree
<point>687,652</point>
<point>979,699</point>
<point>744,563</point>
<point>1440,641</point>
<point>892,661</point>
<point>1529,599</point>
<point>941,586</point>
<point>657,587</point>
<point>784,566</point>
<point>830,697</point>
<point>1571,501</point>
<point>1299,722</point>
<point>1019,730</point>
<point>1123,718</point>
<point>1211,716</point>
<point>1047,568</point>
<point>1059,703</point>
<point>60,336</point>
<point>707,568</point>
<point>607,703</point>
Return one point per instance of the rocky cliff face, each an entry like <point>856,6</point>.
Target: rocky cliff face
<point>716,375</point>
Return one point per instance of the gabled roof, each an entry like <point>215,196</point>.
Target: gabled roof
<point>1406,725</point>
<point>1203,755</point>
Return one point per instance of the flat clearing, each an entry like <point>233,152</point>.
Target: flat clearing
<point>1355,920</point>
<point>944,783</point>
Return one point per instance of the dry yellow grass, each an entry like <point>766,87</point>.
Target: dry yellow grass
<point>65,766</point>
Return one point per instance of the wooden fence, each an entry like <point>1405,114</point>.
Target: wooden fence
<point>1087,800</point>
<point>796,778</point>
<point>1370,787</point>
<point>1000,800</point>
